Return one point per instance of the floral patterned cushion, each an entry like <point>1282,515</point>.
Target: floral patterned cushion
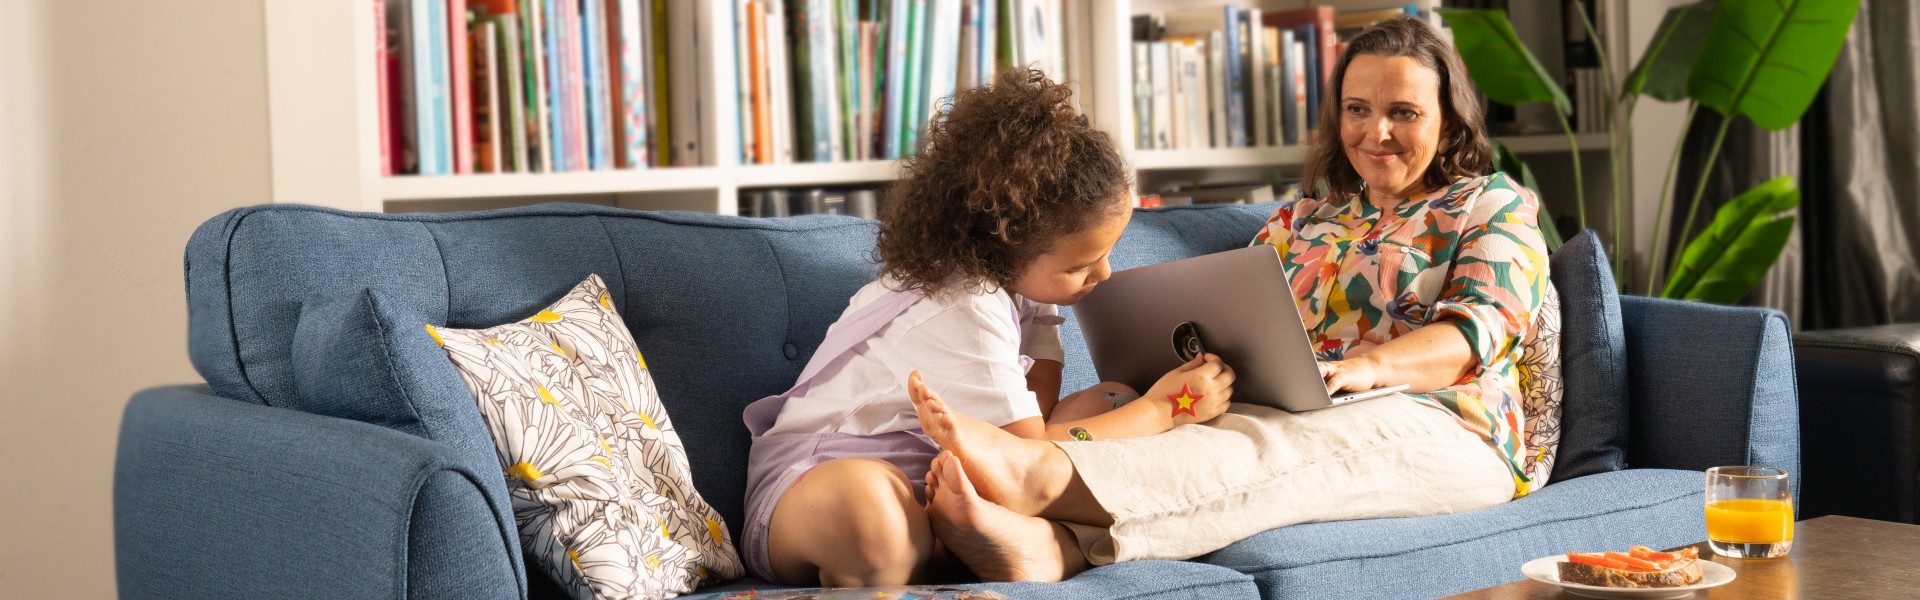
<point>1540,383</point>
<point>599,479</point>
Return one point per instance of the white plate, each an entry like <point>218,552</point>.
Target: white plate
<point>1547,570</point>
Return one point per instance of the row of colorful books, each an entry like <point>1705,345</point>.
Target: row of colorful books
<point>1242,193</point>
<point>1236,77</point>
<point>847,80</point>
<point>535,86</point>
<point>863,202</point>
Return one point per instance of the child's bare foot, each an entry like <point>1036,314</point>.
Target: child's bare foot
<point>996,543</point>
<point>1021,475</point>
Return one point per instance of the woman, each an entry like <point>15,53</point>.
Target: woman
<point>1415,265</point>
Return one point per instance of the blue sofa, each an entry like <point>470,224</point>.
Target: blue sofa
<point>227,489</point>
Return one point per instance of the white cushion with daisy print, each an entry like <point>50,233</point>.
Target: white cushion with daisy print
<point>599,479</point>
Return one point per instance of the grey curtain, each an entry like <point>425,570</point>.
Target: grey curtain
<point>1861,202</point>
<point>1854,260</point>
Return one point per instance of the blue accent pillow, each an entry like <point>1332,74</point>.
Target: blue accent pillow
<point>1593,362</point>
<point>366,357</point>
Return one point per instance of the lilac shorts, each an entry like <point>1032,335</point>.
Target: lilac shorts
<point>779,460</point>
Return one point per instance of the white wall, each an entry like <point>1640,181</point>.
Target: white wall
<point>123,125</point>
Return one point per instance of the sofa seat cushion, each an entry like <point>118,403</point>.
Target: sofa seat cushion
<point>1156,579</point>
<point>1447,554</point>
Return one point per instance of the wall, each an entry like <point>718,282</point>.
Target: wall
<point>123,125</point>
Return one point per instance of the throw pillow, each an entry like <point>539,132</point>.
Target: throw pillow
<point>1593,411</point>
<point>598,477</point>
<point>1541,389</point>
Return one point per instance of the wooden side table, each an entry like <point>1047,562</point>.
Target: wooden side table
<point>1833,557</point>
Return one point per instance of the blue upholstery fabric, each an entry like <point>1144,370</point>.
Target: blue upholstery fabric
<point>1593,362</point>
<point>1713,385</point>
<point>363,357</point>
<point>221,499</point>
<point>1435,556</point>
<point>1156,236</point>
<point>1159,579</point>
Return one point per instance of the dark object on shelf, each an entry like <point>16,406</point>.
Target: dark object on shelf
<point>864,204</point>
<point>1227,194</point>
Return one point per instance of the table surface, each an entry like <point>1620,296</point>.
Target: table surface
<point>1832,557</point>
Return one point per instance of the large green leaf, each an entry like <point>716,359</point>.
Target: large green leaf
<point>1735,251</point>
<point>1498,63</point>
<point>1662,72</point>
<point>1766,59</point>
<point>1505,160</point>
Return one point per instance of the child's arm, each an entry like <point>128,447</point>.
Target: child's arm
<point>1206,380</point>
<point>1044,381</point>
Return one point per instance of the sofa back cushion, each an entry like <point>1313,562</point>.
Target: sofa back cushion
<point>728,309</point>
<point>1593,362</point>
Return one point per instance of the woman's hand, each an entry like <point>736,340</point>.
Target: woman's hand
<point>1206,378</point>
<point>1352,375</point>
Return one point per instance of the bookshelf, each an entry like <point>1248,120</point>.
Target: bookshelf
<point>324,124</point>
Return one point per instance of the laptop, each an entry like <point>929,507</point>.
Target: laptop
<point>1143,322</point>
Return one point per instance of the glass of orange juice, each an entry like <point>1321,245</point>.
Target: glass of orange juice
<point>1749,512</point>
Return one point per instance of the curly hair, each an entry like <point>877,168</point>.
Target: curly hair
<point>1004,171</point>
<point>1464,150</point>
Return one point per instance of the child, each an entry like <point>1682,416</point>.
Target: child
<point>1011,208</point>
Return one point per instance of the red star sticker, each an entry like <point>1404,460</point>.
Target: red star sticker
<point>1183,401</point>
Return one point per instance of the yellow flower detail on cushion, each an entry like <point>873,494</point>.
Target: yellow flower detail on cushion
<point>646,419</point>
<point>546,316</point>
<point>702,571</point>
<point>547,397</point>
<point>663,527</point>
<point>606,301</point>
<point>525,472</point>
<point>604,446</point>
<point>560,351</point>
<point>638,357</point>
<point>601,460</point>
<point>436,336</point>
<point>653,562</point>
<point>575,557</point>
<point>713,529</point>
<point>494,341</point>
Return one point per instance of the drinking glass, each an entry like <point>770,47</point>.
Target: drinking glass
<point>1749,512</point>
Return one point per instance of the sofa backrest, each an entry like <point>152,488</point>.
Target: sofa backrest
<point>726,309</point>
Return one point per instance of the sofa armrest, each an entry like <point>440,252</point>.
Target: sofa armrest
<point>217,498</point>
<point>1709,385</point>
<point>1858,394</point>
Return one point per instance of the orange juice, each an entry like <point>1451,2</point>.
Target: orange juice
<point>1750,521</point>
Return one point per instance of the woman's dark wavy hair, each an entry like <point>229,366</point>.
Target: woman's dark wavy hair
<point>1464,150</point>
<point>1004,172</point>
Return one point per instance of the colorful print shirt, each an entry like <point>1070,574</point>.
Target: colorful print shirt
<point>1470,254</point>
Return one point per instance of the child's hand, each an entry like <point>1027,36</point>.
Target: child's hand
<point>1206,378</point>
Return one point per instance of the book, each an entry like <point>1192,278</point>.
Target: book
<point>663,108</point>
<point>1288,69</point>
<point>744,19</point>
<point>1162,98</point>
<point>1302,120</point>
<point>987,62</point>
<point>781,83</point>
<point>513,123</point>
<point>382,81</point>
<point>684,72</point>
<point>1176,86</point>
<point>847,35</point>
<point>631,106</point>
<point>433,117</point>
<point>540,129</point>
<point>574,51</point>
<point>486,99</point>
<point>869,109</point>
<point>969,72</point>
<point>1143,95</point>
<point>402,108</point>
<point>459,75</point>
<point>1257,77</point>
<point>1217,88</point>
<point>914,95</point>
<point>1314,27</point>
<point>896,78</point>
<point>943,55</point>
<point>1225,19</point>
<point>756,17</point>
<point>600,82</point>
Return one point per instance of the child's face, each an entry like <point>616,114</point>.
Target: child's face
<point>1076,263</point>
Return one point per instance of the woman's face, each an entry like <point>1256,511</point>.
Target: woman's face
<point>1390,122</point>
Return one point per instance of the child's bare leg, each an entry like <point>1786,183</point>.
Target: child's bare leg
<point>850,522</point>
<point>1090,402</point>
<point>996,543</point>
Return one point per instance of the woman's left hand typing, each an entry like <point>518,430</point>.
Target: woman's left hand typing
<point>1352,375</point>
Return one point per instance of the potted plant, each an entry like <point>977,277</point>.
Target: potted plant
<point>1760,59</point>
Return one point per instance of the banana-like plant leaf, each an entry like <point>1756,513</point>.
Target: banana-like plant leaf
<point>1662,72</point>
<point>1498,63</point>
<point>1735,251</point>
<point>1506,161</point>
<point>1766,59</point>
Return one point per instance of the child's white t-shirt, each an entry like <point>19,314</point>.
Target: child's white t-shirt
<point>967,347</point>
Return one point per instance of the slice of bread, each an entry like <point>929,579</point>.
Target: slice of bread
<point>1685,571</point>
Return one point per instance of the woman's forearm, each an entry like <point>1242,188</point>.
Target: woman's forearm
<point>1430,358</point>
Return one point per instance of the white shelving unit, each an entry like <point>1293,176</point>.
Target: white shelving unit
<point>324,123</point>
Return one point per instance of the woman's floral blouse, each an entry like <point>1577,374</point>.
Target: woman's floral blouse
<point>1469,254</point>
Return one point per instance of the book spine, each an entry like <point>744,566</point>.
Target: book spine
<point>633,77</point>
<point>384,72</point>
<point>1329,55</point>
<point>847,35</point>
<point>458,74</point>
<point>897,26</point>
<point>486,100</point>
<point>864,148</point>
<point>685,70</point>
<point>1285,102</point>
<point>989,23</point>
<point>599,133</point>
<point>405,102</point>
<point>663,111</point>
<point>1236,80</point>
<point>943,58</point>
<point>1143,95</point>
<point>576,45</point>
<point>539,112</point>
<point>430,86</point>
<point>1217,87</point>
<point>762,113</point>
<point>1257,76</point>
<point>1302,120</point>
<point>780,79</point>
<point>969,73</point>
<point>514,124</point>
<point>744,72</point>
<point>825,96</point>
<point>916,82</point>
<point>1162,96</point>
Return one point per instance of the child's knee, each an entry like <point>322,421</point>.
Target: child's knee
<point>885,537</point>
